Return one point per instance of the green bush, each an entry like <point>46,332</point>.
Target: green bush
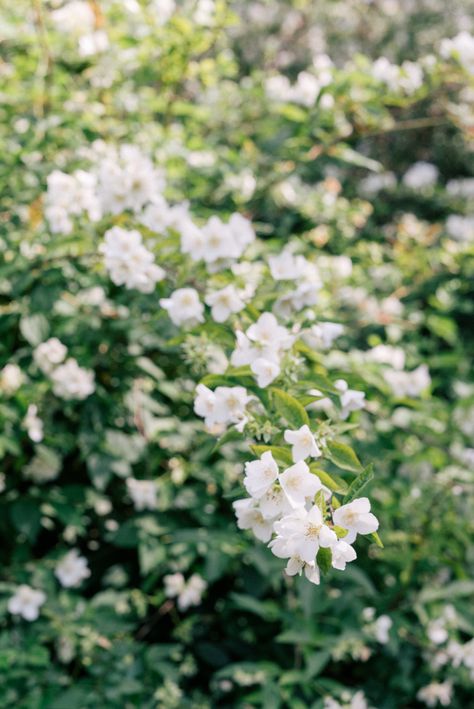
<point>143,145</point>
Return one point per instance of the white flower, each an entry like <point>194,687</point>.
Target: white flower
<point>357,518</point>
<point>265,371</point>
<point>249,516</point>
<point>437,632</point>
<point>128,261</point>
<point>322,335</point>
<point>351,400</point>
<point>224,302</point>
<point>184,307</point>
<point>408,384</point>
<point>303,443</point>
<point>296,565</point>
<point>220,243</point>
<point>230,404</point>
<point>267,333</point>
<point>260,475</point>
<point>72,569</point>
<point>436,693</point>
<point>460,228</point>
<point>143,493</point>
<point>205,404</point>
<point>44,466</point>
<point>245,352</point>
<point>11,378</point>
<point>274,503</point>
<point>174,584</point>
<point>301,534</point>
<point>286,266</point>
<point>299,484</point>
<point>420,176</point>
<point>386,354</point>
<point>26,602</point>
<point>76,17</point>
<point>33,424</point>
<point>70,381</point>
<point>93,43</point>
<point>49,354</point>
<point>461,48</point>
<point>381,628</point>
<point>342,553</point>
<point>192,593</point>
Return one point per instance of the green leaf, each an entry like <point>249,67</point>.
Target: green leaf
<point>230,435</point>
<point>316,662</point>
<point>359,483</point>
<point>343,456</point>
<point>456,589</point>
<point>26,517</point>
<point>340,531</point>
<point>289,408</point>
<point>324,560</point>
<point>377,540</point>
<point>281,454</point>
<point>333,482</point>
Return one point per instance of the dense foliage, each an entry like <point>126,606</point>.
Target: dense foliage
<point>236,304</point>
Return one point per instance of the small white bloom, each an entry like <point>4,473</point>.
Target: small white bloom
<point>174,584</point>
<point>342,553</point>
<point>72,569</point>
<point>44,466</point>
<point>436,693</point>
<point>205,404</point>
<point>192,593</point>
<point>381,628</point>
<point>49,354</point>
<point>230,403</point>
<point>301,534</point>
<point>266,332</point>
<point>357,518</point>
<point>250,517</point>
<point>274,503</point>
<point>260,475</point>
<point>128,261</point>
<point>322,335</point>
<point>303,443</point>
<point>143,493</point>
<point>351,399</point>
<point>420,176</point>
<point>224,302</point>
<point>11,378</point>
<point>296,566</point>
<point>70,381</point>
<point>26,602</point>
<point>184,307</point>
<point>299,484</point>
<point>265,371</point>
<point>33,424</point>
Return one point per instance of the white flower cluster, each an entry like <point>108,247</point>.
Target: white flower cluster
<point>460,48</point>
<point>189,593</point>
<point>26,602</point>
<point>283,503</point>
<point>408,384</point>
<point>77,18</point>
<point>120,179</point>
<point>69,196</point>
<point>143,493</point>
<point>307,87</point>
<point>128,261</point>
<point>460,228</point>
<point>421,176</point>
<point>70,381</point>
<point>263,347</point>
<point>72,569</point>
<point>407,78</point>
<point>11,378</point>
<point>222,407</point>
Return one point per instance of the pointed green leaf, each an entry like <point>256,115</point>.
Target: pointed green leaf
<point>289,408</point>
<point>359,483</point>
<point>343,456</point>
<point>324,560</point>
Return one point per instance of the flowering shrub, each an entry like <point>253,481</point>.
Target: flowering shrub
<point>231,271</point>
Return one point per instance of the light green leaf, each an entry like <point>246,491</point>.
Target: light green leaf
<point>343,456</point>
<point>289,408</point>
<point>359,483</point>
